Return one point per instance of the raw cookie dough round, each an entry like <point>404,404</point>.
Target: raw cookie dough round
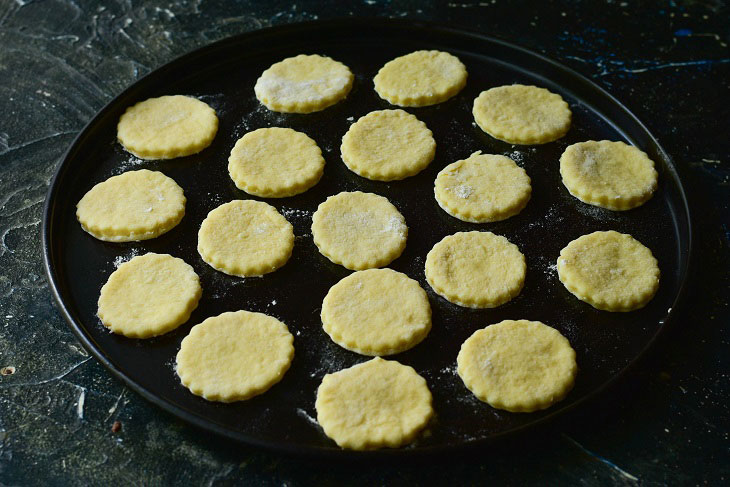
<point>148,296</point>
<point>476,269</point>
<point>303,84</point>
<point>359,230</point>
<point>420,78</point>
<point>388,144</point>
<point>379,403</point>
<point>482,188</point>
<point>376,312</point>
<point>275,162</point>
<point>519,366</point>
<point>234,356</point>
<point>521,114</point>
<point>135,205</point>
<point>245,238</point>
<point>608,174</point>
<point>609,270</point>
<point>167,127</point>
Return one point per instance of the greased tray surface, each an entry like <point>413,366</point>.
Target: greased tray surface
<point>223,75</point>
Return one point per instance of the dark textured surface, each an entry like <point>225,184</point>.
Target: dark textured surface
<point>61,61</point>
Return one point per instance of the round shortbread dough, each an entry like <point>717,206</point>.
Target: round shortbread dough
<point>611,175</point>
<point>167,127</point>
<point>135,205</point>
<point>149,295</point>
<point>521,114</point>
<point>482,188</point>
<point>303,84</point>
<point>420,78</point>
<point>519,366</point>
<point>476,269</point>
<point>275,162</point>
<point>610,271</point>
<point>386,145</point>
<point>245,238</point>
<point>234,356</point>
<point>359,230</point>
<point>376,404</point>
<point>376,312</point>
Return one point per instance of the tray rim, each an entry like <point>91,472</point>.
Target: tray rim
<point>315,451</point>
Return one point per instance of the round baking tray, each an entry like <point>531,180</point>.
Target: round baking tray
<point>223,75</point>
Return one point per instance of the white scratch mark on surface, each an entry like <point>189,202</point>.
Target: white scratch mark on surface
<point>52,379</point>
<point>623,473</point>
<point>699,62</point>
<point>116,405</point>
<point>80,403</point>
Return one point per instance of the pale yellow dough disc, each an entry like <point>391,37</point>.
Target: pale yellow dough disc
<point>167,127</point>
<point>519,366</point>
<point>149,295</point>
<point>612,175</point>
<point>245,238</point>
<point>359,230</point>
<point>303,84</point>
<point>476,269</point>
<point>376,312</point>
<point>376,404</point>
<point>609,270</point>
<point>275,162</point>
<point>420,78</point>
<point>386,145</point>
<point>135,205</point>
<point>521,114</point>
<point>482,188</point>
<point>234,356</point>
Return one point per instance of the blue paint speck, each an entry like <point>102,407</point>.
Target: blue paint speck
<point>683,32</point>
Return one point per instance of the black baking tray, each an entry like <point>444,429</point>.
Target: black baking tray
<point>223,75</point>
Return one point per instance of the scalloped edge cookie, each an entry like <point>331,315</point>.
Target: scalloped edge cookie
<point>148,296</point>
<point>493,189</point>
<point>274,238</point>
<point>167,127</point>
<point>275,162</point>
<point>343,246</point>
<point>376,312</point>
<point>520,114</point>
<point>420,78</point>
<point>612,175</point>
<point>121,208</point>
<point>594,269</point>
<point>303,84</point>
<point>234,356</point>
<point>518,366</point>
<point>457,274</point>
<point>375,404</point>
<point>387,145</point>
